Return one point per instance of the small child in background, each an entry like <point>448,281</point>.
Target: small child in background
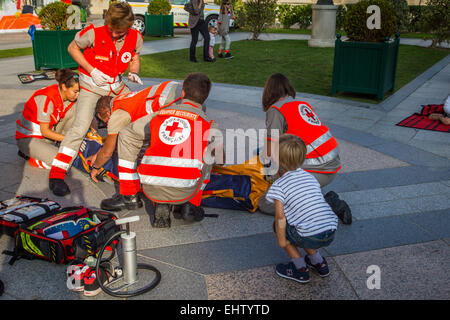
<point>212,41</point>
<point>303,219</point>
<point>226,13</point>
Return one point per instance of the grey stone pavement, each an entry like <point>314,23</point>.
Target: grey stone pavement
<point>395,179</point>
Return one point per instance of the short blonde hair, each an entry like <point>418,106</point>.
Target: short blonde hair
<point>292,152</point>
<point>119,15</point>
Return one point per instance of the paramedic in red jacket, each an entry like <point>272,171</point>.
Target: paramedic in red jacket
<point>45,118</point>
<point>127,108</point>
<point>109,51</point>
<point>287,115</point>
<point>177,164</point>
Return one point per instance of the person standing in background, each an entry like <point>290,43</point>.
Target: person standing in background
<point>198,25</point>
<point>226,12</point>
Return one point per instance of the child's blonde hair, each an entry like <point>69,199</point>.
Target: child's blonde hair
<point>211,29</point>
<point>292,152</point>
<point>119,15</point>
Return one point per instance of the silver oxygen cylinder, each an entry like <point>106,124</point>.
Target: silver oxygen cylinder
<point>129,257</point>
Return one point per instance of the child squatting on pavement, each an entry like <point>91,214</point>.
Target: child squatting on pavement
<point>303,219</point>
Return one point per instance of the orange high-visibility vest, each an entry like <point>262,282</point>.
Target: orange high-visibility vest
<point>175,156</point>
<point>104,56</point>
<point>144,102</point>
<point>28,126</point>
<point>303,122</point>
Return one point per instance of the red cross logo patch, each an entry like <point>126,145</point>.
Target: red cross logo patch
<point>307,113</point>
<point>126,57</point>
<point>174,131</point>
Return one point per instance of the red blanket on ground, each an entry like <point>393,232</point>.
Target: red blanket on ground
<point>421,120</point>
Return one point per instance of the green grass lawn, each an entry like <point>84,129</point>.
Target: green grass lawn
<point>152,38</point>
<point>309,69</point>
<point>11,53</point>
<point>416,35</point>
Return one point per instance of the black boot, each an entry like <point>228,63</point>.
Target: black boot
<point>162,216</point>
<point>59,187</point>
<point>191,213</point>
<point>119,202</point>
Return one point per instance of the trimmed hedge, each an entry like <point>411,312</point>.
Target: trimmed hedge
<point>355,24</point>
<point>159,7</point>
<point>54,16</point>
<point>289,15</point>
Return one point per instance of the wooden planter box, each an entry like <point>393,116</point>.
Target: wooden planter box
<point>365,67</point>
<point>50,49</point>
<point>159,25</point>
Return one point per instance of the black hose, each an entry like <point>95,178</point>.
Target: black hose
<point>2,288</point>
<point>145,289</point>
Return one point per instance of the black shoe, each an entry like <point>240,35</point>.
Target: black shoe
<point>343,212</point>
<point>23,155</point>
<point>119,202</point>
<point>162,216</point>
<point>59,187</point>
<point>220,55</point>
<point>332,198</point>
<point>176,210</point>
<point>193,60</point>
<point>191,213</point>
<point>209,60</point>
<point>228,56</point>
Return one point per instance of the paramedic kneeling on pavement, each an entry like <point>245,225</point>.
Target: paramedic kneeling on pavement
<point>287,115</point>
<point>177,165</point>
<point>45,118</point>
<point>128,108</point>
<point>109,51</point>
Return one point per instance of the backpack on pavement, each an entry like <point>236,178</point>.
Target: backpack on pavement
<point>72,233</point>
<point>23,209</point>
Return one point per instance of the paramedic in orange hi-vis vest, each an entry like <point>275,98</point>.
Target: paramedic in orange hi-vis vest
<point>176,166</point>
<point>109,51</point>
<point>128,108</point>
<point>287,115</point>
<point>45,118</point>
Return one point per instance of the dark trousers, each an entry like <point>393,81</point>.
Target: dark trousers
<point>200,27</point>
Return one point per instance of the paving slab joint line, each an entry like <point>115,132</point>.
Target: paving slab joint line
<point>407,217</point>
<point>171,265</point>
<point>344,274</point>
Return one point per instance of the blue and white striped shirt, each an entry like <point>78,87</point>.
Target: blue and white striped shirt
<point>304,205</point>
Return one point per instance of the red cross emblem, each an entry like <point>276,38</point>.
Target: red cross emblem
<point>174,128</point>
<point>310,114</point>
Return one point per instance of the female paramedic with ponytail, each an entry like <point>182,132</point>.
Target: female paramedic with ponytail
<point>109,51</point>
<point>287,115</point>
<point>46,116</point>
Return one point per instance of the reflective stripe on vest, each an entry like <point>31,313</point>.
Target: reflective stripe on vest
<point>168,182</point>
<point>322,160</point>
<point>28,127</point>
<point>172,162</point>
